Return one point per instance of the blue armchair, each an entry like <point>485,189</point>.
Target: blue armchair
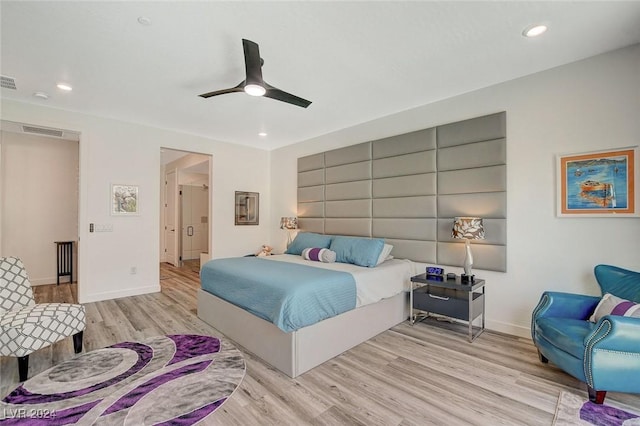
<point>605,354</point>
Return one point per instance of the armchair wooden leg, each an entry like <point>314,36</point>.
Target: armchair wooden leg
<point>23,367</point>
<point>543,359</point>
<point>597,397</point>
<point>77,342</point>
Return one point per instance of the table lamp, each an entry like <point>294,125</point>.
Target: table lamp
<point>288,223</point>
<point>468,228</point>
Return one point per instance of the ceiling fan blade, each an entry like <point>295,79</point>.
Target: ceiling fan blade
<point>252,62</point>
<point>238,88</point>
<point>281,95</point>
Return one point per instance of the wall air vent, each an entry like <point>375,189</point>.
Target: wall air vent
<point>43,131</point>
<point>7,82</point>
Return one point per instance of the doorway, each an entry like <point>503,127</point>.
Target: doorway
<point>39,175</point>
<point>186,211</point>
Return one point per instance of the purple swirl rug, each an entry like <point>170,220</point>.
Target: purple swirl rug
<point>163,380</point>
<point>575,410</point>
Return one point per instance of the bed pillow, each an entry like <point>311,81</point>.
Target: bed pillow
<point>319,255</point>
<point>308,240</point>
<point>613,305</point>
<point>384,254</point>
<point>358,251</point>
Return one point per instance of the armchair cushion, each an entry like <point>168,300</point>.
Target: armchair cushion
<point>26,330</point>
<point>612,305</point>
<point>565,334</point>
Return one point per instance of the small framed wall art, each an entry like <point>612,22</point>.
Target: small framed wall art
<point>598,184</point>
<point>247,208</point>
<point>124,200</point>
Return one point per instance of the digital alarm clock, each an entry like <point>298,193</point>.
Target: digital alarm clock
<point>434,270</point>
<point>435,273</point>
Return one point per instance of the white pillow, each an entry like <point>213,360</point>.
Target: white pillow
<point>319,255</point>
<point>384,254</point>
<point>612,305</point>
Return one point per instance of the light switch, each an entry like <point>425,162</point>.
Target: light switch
<point>108,227</point>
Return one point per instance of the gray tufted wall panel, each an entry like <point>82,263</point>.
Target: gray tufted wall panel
<point>408,188</point>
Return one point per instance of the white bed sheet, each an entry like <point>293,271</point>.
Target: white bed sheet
<point>372,284</point>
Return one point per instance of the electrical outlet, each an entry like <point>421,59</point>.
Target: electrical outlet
<point>133,270</point>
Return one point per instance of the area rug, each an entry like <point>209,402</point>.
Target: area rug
<point>574,410</point>
<point>164,380</point>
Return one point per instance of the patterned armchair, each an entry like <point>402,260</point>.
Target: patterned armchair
<point>596,342</point>
<point>26,326</point>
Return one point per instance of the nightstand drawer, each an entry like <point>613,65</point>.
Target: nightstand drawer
<point>451,303</point>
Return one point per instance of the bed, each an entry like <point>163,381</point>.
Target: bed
<point>294,348</point>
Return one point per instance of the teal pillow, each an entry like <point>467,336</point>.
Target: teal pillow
<point>306,240</point>
<point>359,251</point>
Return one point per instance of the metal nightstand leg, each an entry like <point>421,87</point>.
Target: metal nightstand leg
<point>472,336</point>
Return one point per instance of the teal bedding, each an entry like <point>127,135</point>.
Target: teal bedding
<point>289,295</point>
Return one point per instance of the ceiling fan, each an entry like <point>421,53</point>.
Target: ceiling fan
<point>254,85</point>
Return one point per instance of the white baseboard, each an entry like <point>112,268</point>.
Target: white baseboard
<point>497,326</point>
<point>508,328</point>
<point>47,281</point>
<point>108,295</point>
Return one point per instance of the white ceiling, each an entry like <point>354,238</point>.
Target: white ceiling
<point>356,61</point>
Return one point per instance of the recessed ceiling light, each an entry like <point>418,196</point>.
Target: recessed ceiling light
<point>65,87</point>
<point>534,30</point>
<point>143,20</point>
<point>41,95</point>
<point>262,134</point>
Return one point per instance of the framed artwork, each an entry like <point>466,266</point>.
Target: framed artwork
<point>247,208</point>
<point>598,184</point>
<point>124,200</point>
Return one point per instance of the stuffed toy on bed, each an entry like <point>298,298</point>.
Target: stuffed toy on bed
<point>265,251</point>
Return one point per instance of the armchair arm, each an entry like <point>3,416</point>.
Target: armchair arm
<point>612,354</point>
<point>615,333</point>
<point>565,305</point>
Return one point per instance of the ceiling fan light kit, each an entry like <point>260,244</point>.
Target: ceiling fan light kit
<point>254,90</point>
<point>253,84</point>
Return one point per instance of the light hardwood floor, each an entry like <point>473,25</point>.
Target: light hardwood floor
<point>426,374</point>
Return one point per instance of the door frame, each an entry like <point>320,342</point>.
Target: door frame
<point>176,214</point>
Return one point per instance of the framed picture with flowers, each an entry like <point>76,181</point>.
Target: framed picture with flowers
<point>124,200</point>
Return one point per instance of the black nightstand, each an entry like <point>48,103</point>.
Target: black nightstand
<point>450,298</point>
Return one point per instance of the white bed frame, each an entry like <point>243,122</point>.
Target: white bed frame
<point>299,351</point>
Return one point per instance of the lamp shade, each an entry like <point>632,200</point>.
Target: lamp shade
<point>468,228</point>
<point>289,223</point>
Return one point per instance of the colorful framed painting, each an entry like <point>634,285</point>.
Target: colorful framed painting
<point>598,184</point>
<point>124,200</point>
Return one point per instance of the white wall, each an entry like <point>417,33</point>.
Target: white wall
<point>117,152</point>
<point>589,105</point>
<point>39,200</point>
